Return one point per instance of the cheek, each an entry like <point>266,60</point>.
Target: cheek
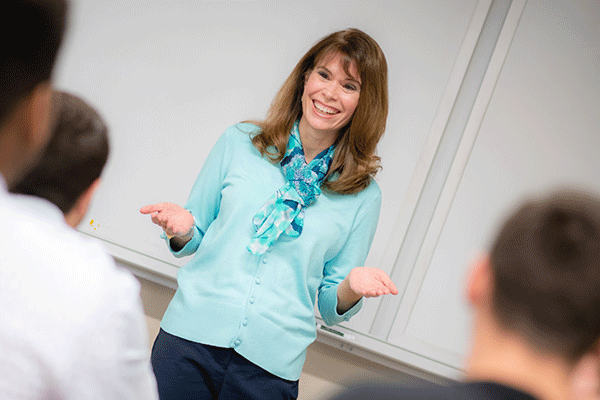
<point>311,86</point>
<point>351,103</point>
<point>305,99</point>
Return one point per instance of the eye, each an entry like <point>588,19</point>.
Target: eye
<point>323,74</point>
<point>351,87</point>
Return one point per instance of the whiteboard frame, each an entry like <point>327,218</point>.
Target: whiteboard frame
<point>451,186</point>
<point>379,306</point>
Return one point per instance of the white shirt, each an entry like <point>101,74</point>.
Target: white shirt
<point>71,321</point>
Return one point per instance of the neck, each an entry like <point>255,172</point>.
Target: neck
<point>12,159</point>
<point>313,141</point>
<point>72,218</point>
<point>507,359</point>
<point>18,152</point>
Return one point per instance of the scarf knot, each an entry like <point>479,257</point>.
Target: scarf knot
<point>284,211</point>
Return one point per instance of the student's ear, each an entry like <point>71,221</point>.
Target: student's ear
<point>80,209</point>
<point>479,282</point>
<point>585,377</point>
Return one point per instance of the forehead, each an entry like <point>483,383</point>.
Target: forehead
<point>337,59</point>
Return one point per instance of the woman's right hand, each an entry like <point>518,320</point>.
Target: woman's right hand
<point>175,220</point>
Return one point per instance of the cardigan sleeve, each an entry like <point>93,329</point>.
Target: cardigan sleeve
<point>353,254</point>
<point>205,197</point>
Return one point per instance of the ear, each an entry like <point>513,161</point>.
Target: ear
<point>584,377</point>
<point>479,283</point>
<point>80,209</point>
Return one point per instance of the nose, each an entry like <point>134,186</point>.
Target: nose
<point>331,90</point>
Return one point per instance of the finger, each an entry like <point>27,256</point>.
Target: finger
<point>158,221</point>
<point>387,282</point>
<point>151,208</point>
<point>167,230</point>
<point>378,291</point>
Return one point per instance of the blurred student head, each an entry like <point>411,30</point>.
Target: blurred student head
<point>536,303</point>
<point>69,169</point>
<point>32,31</point>
<point>541,282</point>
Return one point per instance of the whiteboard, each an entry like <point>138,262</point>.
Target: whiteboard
<point>538,132</point>
<point>170,76</point>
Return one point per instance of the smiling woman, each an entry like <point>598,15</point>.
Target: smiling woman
<point>260,261</point>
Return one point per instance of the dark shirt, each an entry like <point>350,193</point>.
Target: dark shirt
<point>462,391</point>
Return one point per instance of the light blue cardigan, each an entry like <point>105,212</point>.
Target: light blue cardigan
<point>263,306</point>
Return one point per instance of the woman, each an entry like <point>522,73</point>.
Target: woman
<point>282,209</point>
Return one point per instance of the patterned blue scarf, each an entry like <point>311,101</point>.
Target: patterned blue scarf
<point>284,210</point>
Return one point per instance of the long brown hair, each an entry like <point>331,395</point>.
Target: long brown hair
<point>355,161</point>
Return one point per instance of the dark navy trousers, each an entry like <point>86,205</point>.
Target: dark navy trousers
<point>187,370</point>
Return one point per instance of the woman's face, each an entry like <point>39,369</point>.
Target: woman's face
<point>330,96</point>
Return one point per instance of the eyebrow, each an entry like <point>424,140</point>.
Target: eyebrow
<point>348,77</point>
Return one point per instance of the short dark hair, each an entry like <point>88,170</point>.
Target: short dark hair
<point>31,32</point>
<point>74,158</point>
<point>546,271</point>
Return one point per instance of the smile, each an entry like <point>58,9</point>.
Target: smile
<point>324,109</point>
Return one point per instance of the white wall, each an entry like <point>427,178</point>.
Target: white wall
<point>170,76</point>
<point>170,81</point>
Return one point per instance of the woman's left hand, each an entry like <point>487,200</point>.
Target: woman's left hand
<point>370,282</point>
<point>363,281</point>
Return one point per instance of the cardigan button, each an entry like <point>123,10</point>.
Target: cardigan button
<point>251,300</point>
<point>237,342</point>
<point>265,260</point>
<point>257,281</point>
<point>245,322</point>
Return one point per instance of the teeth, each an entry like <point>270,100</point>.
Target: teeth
<point>324,110</point>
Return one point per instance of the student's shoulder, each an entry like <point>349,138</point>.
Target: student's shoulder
<point>104,289</point>
<point>477,390</point>
<point>100,266</point>
<point>399,392</point>
<point>76,263</point>
<point>65,275</point>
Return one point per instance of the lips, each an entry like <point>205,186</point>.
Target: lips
<point>323,109</point>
